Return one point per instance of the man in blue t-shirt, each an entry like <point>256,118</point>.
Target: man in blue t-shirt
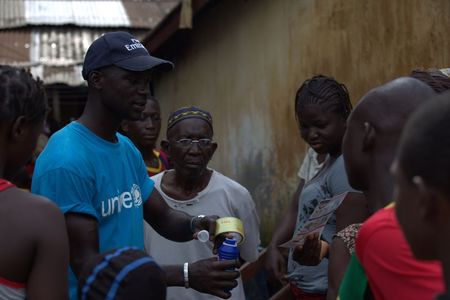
<point>99,180</point>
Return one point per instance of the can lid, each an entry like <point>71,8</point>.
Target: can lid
<point>203,236</point>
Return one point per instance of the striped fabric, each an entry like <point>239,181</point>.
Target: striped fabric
<point>11,290</point>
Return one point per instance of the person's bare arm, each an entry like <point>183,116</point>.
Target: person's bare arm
<point>83,239</point>
<point>209,276</point>
<point>337,265</point>
<point>174,224</point>
<point>312,251</point>
<point>48,275</point>
<point>274,261</point>
<point>351,211</point>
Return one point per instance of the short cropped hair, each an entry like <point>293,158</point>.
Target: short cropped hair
<point>122,274</point>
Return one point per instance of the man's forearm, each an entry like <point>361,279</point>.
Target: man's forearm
<point>174,225</point>
<point>83,239</point>
<point>78,262</point>
<point>179,226</point>
<point>174,275</point>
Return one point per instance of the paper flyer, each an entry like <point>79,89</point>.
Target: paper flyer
<point>317,220</point>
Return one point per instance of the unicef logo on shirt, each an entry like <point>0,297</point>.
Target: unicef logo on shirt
<point>125,200</point>
<point>136,194</point>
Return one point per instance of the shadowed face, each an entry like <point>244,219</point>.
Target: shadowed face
<point>145,131</point>
<point>411,215</point>
<point>322,130</point>
<point>22,147</point>
<point>124,92</point>
<point>355,165</point>
<point>188,158</point>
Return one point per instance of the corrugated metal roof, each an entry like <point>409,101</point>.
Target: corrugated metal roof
<point>82,13</point>
<point>88,13</point>
<point>55,54</point>
<point>12,13</point>
<point>59,46</point>
<point>148,13</point>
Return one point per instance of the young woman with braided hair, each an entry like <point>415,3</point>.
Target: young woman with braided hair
<point>34,252</point>
<point>322,106</point>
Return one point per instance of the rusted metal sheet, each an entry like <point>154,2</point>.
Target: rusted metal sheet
<point>170,24</point>
<point>15,46</point>
<point>55,54</point>
<point>244,61</point>
<point>52,36</point>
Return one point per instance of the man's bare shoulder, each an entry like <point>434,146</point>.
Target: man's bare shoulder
<point>37,220</point>
<point>36,208</point>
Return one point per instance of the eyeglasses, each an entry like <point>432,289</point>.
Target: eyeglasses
<point>190,142</point>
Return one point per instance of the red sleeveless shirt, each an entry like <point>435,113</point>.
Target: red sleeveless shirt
<point>5,184</point>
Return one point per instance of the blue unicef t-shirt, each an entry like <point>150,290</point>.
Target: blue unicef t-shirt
<point>83,173</point>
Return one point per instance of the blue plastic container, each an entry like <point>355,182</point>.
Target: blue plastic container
<point>228,250</point>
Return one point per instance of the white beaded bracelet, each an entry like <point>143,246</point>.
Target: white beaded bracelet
<point>186,274</point>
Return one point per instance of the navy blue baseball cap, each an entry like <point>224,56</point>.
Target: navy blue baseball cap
<point>123,50</point>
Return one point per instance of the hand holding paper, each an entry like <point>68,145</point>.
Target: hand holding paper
<point>316,222</point>
<point>308,254</point>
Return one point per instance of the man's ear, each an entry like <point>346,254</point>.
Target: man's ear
<point>124,126</point>
<point>18,129</point>
<point>165,146</point>
<point>345,120</point>
<point>213,148</point>
<point>96,79</point>
<point>369,136</point>
<point>442,210</point>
